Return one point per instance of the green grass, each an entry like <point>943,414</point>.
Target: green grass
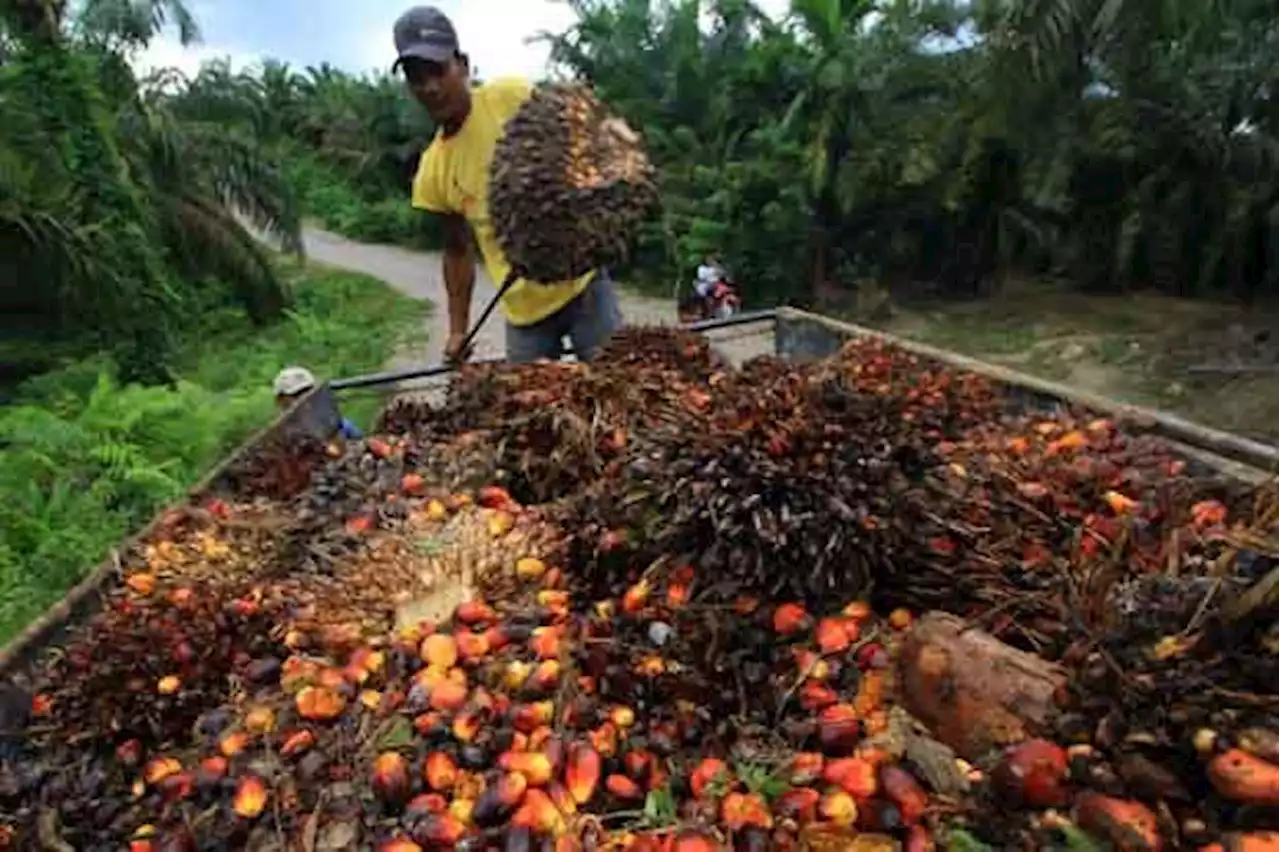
<point>336,203</point>
<point>85,461</point>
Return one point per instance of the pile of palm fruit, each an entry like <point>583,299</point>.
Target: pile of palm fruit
<point>687,608</point>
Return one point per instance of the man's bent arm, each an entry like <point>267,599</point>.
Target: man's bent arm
<point>459,272</point>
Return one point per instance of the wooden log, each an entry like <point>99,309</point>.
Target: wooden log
<point>975,693</point>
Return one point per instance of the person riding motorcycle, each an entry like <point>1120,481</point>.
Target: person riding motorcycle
<point>710,273</point>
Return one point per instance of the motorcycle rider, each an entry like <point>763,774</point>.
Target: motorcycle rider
<point>710,273</point>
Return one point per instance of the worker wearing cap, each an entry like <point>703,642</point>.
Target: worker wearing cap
<point>453,180</point>
<point>292,382</point>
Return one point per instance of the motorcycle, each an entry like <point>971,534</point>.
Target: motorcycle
<point>722,303</point>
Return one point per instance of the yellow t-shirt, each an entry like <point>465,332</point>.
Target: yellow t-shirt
<point>453,177</point>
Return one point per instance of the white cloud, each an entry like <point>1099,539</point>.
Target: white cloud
<point>495,33</point>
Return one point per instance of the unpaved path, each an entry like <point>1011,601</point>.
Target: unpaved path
<point>419,274</point>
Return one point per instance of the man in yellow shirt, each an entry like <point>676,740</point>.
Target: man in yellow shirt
<point>453,180</point>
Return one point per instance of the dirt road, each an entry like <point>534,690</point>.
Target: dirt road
<point>418,274</point>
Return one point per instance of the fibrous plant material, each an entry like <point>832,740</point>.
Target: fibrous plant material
<point>697,642</point>
<point>569,185</point>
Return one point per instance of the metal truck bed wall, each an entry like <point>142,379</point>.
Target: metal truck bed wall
<point>798,336</point>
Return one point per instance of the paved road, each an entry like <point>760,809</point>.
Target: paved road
<point>419,274</point>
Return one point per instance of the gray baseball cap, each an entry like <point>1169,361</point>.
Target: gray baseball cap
<point>424,32</point>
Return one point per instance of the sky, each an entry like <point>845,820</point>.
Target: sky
<point>356,37</point>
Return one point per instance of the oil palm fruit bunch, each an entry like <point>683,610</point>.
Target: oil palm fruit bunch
<point>569,185</point>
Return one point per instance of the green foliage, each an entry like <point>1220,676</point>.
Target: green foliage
<point>86,459</point>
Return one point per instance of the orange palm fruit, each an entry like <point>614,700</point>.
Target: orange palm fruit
<point>530,568</point>
<point>319,703</point>
<point>624,788</point>
<point>833,635</point>
<point>466,726</point>
<point>533,765</point>
<point>233,743</point>
<point>439,771</point>
<point>854,775</point>
<point>440,650</point>
<point>605,739</point>
<point>806,767</point>
<point>545,642</point>
<point>691,840</point>
<point>471,646</point>
<point>857,611</point>
<point>527,718</point>
<point>538,814</point>
<point>494,497</point>
<point>740,810</point>
<point>250,797</point>
<point>635,598</point>
<point>582,774</point>
<point>399,844</point>
<point>448,695</point>
<point>838,808</point>
<point>546,676</point>
<point>621,716</point>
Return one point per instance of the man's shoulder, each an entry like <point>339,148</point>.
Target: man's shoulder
<point>504,93</point>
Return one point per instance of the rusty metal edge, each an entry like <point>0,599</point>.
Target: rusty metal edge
<point>314,411</point>
<point>1262,459</point>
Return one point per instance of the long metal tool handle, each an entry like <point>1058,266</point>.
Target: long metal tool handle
<point>513,275</point>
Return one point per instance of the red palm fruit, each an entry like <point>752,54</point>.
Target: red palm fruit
<point>832,635</point>
<point>471,646</point>
<point>494,497</point>
<point>177,786</point>
<point>533,765</point>
<point>799,803</point>
<point>919,840</point>
<point>439,771</point>
<point>443,830</point>
<point>740,810</point>
<point>129,753</point>
<point>806,767</point>
<point>854,775</point>
<point>378,447</point>
<point>425,723</point>
<point>297,742</point>
<point>710,772</point>
<point>745,604</point>
<point>511,788</point>
<point>527,718</point>
<point>872,656</point>
<point>399,844</point>
<point>623,788</point>
<point>638,763</point>
<point>212,770</point>
<point>545,642</point>
<point>1032,773</point>
<point>472,613</point>
<point>838,727</point>
<point>568,843</point>
<point>582,773</point>
<point>905,791</point>
<point>635,598</point>
<point>814,695</point>
<point>425,804</point>
<point>413,484</point>
<point>789,619</point>
<point>497,638</point>
<point>695,841</point>
<point>390,777</point>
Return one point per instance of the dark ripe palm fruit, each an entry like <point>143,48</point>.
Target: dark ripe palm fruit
<point>569,185</point>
